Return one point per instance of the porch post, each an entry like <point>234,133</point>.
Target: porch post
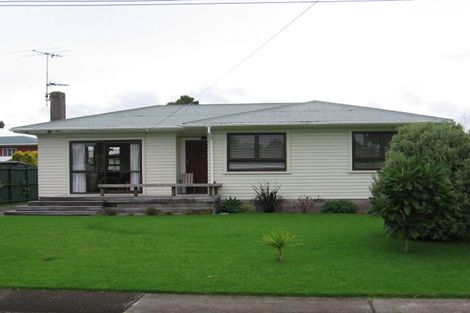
<point>211,155</point>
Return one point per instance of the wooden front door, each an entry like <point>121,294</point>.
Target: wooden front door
<point>196,163</point>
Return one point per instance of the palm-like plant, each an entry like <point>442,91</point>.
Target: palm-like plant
<point>279,240</point>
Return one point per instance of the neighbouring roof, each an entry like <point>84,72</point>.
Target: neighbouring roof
<point>18,141</point>
<point>177,116</point>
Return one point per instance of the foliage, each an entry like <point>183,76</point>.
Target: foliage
<point>411,197</point>
<point>267,197</point>
<point>28,157</point>
<point>151,211</point>
<point>446,145</point>
<point>231,205</point>
<point>184,100</point>
<point>2,124</point>
<point>339,206</point>
<point>304,204</point>
<point>278,239</point>
<point>248,207</point>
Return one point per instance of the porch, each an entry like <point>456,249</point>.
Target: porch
<point>155,165</point>
<point>85,205</point>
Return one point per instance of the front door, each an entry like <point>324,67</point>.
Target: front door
<point>196,163</point>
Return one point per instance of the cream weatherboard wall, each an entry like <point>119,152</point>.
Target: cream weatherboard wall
<point>158,160</point>
<point>319,163</point>
<point>53,165</point>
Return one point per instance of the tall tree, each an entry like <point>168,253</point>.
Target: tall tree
<point>184,99</point>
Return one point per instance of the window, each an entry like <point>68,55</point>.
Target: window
<point>104,162</point>
<point>369,149</point>
<point>256,152</point>
<point>8,151</point>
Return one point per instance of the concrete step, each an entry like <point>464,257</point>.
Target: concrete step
<point>51,213</point>
<point>58,208</point>
<point>66,203</point>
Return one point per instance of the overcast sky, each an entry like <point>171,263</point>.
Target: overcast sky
<point>410,56</point>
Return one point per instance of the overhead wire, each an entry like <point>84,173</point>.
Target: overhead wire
<point>261,46</point>
<point>111,3</point>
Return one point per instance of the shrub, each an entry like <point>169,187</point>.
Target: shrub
<point>231,205</point>
<point>279,240</point>
<point>411,197</point>
<point>447,145</point>
<point>267,197</point>
<point>151,211</point>
<point>304,204</point>
<point>28,157</point>
<point>339,206</point>
<point>248,207</point>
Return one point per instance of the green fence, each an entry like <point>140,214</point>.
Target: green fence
<point>18,182</point>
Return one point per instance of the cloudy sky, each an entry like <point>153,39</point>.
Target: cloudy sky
<point>411,56</point>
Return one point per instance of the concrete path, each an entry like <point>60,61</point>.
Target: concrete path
<point>42,301</point>
<point>161,303</point>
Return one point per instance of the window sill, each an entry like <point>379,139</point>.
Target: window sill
<point>364,172</point>
<point>257,173</point>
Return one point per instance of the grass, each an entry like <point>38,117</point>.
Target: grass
<point>338,255</point>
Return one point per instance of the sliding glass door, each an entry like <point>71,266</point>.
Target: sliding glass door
<point>104,162</point>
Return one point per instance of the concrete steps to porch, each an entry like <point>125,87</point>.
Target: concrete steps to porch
<point>59,207</point>
<point>50,213</point>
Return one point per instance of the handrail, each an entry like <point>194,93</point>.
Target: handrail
<point>212,188</point>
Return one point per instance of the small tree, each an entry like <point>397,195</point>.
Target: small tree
<point>184,99</point>
<point>411,196</point>
<point>28,157</point>
<point>447,145</point>
<point>279,240</point>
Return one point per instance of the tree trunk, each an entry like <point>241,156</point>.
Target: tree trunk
<point>279,256</point>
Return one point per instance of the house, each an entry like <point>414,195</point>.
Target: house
<point>315,148</point>
<point>9,145</point>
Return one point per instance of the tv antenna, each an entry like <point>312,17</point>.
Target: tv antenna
<point>48,55</point>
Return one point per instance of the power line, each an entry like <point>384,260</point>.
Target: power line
<point>114,3</point>
<point>258,48</point>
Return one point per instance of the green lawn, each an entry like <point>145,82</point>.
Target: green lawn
<point>338,255</point>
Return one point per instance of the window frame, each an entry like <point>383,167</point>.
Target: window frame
<point>257,159</point>
<point>382,149</point>
<point>106,161</point>
<point>11,150</point>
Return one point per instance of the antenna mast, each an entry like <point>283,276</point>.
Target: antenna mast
<point>48,55</point>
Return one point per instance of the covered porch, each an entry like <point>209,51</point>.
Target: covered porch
<point>174,164</point>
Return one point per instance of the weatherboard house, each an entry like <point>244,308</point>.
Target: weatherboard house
<point>315,148</point>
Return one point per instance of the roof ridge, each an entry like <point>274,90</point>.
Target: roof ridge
<point>140,108</point>
<point>282,105</point>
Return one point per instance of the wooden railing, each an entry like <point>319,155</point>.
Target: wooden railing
<point>212,189</point>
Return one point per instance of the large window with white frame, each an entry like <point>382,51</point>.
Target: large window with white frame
<point>256,152</point>
<point>104,162</point>
<point>369,149</point>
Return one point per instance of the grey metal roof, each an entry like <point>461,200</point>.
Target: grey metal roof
<point>177,116</point>
<point>18,141</point>
<point>317,112</point>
